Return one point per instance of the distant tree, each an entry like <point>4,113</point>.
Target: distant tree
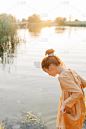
<point>76,20</point>
<point>23,19</point>
<point>60,20</point>
<point>65,19</point>
<point>48,21</point>
<point>34,19</point>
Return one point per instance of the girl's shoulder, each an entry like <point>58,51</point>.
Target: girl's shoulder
<point>68,73</point>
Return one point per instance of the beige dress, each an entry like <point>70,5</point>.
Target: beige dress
<point>73,96</point>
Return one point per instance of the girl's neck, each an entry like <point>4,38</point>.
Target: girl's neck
<point>60,69</point>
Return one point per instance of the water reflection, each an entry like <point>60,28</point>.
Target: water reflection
<point>17,58</point>
<point>70,29</point>
<point>59,30</point>
<point>7,51</point>
<point>35,30</point>
<point>38,37</point>
<point>1,54</point>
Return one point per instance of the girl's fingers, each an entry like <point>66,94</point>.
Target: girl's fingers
<point>63,112</point>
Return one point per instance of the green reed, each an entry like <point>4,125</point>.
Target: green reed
<point>8,28</point>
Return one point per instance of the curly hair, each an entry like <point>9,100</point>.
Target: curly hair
<point>54,59</point>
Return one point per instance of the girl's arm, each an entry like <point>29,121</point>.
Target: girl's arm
<point>70,86</point>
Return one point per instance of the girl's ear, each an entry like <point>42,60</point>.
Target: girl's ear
<point>50,67</point>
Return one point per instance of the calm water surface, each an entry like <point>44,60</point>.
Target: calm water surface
<point>24,86</point>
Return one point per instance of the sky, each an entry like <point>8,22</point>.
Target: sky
<point>47,9</point>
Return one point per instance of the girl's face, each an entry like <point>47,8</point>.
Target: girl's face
<point>51,71</point>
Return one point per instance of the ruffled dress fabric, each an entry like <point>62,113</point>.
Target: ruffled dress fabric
<point>73,96</point>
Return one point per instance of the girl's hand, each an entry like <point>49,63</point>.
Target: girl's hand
<point>62,110</point>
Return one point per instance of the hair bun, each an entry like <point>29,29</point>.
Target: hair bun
<point>49,51</point>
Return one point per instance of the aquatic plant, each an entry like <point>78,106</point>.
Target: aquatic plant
<point>1,125</point>
<point>31,118</point>
<point>8,35</point>
<point>8,28</point>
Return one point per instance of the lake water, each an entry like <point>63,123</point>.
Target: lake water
<point>24,86</point>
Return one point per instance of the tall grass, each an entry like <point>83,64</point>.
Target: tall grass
<point>8,34</point>
<point>8,28</point>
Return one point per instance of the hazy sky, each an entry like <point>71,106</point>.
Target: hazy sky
<point>47,9</point>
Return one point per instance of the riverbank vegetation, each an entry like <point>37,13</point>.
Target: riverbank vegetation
<point>35,20</point>
<point>8,34</point>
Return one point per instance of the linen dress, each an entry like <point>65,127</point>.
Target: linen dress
<point>73,96</point>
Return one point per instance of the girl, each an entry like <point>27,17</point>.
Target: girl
<point>71,111</point>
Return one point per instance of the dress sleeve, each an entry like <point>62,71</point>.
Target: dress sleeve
<point>83,81</point>
<point>69,85</point>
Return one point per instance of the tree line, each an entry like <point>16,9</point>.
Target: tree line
<point>37,19</point>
